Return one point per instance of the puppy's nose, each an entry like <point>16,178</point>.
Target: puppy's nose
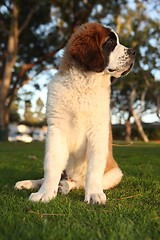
<point>131,52</point>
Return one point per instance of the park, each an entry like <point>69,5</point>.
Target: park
<point>131,211</point>
<point>32,43</point>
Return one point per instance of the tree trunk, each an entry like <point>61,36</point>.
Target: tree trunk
<point>140,127</point>
<point>128,129</point>
<point>11,54</point>
<point>136,118</point>
<point>4,121</point>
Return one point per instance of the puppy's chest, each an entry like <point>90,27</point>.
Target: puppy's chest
<point>88,103</point>
<point>87,111</point>
<point>74,106</point>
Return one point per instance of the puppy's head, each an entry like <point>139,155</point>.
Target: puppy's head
<point>96,48</point>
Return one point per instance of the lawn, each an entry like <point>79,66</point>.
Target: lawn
<point>132,211</point>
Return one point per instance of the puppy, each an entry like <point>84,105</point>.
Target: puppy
<point>79,138</point>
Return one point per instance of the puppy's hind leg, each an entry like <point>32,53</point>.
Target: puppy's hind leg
<point>28,184</point>
<point>112,178</point>
<point>66,186</point>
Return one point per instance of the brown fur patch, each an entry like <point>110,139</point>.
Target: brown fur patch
<point>85,46</point>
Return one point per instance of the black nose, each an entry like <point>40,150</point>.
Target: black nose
<point>131,52</point>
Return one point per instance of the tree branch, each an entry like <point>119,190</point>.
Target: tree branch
<point>136,118</point>
<point>2,25</point>
<point>75,13</point>
<point>28,18</point>
<point>143,96</point>
<point>24,69</point>
<point>11,53</point>
<point>158,106</point>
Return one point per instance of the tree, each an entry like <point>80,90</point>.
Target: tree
<point>14,115</point>
<point>32,36</point>
<point>139,29</point>
<point>28,114</point>
<point>25,38</point>
<point>39,110</point>
<point>23,47</point>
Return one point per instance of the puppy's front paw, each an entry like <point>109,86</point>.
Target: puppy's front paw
<point>42,196</point>
<point>95,198</point>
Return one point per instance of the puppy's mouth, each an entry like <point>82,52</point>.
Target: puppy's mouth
<point>127,71</point>
<point>111,70</point>
<point>124,73</point>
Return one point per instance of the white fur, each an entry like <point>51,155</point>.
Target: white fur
<point>78,128</point>
<point>78,114</point>
<point>28,184</point>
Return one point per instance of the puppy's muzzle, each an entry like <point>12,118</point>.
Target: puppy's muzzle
<point>131,52</point>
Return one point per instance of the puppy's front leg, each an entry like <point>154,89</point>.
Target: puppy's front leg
<point>56,156</point>
<point>97,151</point>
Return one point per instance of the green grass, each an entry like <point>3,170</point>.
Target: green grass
<point>131,212</point>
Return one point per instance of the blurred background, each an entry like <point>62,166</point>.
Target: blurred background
<point>33,35</point>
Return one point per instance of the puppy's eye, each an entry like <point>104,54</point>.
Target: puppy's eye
<point>109,44</point>
<point>111,41</point>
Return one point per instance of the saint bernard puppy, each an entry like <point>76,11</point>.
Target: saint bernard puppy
<point>79,140</point>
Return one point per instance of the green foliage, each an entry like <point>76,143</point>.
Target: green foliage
<point>14,116</point>
<point>44,28</point>
<point>36,117</point>
<point>132,210</point>
<point>153,132</point>
<point>138,27</point>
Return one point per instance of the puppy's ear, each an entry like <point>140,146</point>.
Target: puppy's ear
<point>87,51</point>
